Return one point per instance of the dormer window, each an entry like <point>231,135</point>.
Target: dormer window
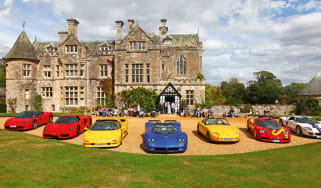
<point>104,49</point>
<point>71,49</point>
<point>137,45</point>
<point>51,49</point>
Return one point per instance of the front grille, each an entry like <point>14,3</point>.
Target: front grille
<point>64,135</point>
<point>172,149</point>
<point>47,135</point>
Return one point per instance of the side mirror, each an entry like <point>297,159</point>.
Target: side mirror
<point>13,116</point>
<point>252,121</point>
<point>285,126</point>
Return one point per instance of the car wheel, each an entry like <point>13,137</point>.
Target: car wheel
<point>50,119</point>
<point>34,125</point>
<point>78,131</point>
<point>298,131</point>
<point>198,129</point>
<point>208,137</point>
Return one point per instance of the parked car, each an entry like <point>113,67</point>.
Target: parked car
<point>218,130</point>
<point>28,120</point>
<point>67,126</point>
<point>268,129</point>
<point>164,137</point>
<point>302,125</point>
<point>106,133</point>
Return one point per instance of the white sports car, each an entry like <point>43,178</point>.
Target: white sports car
<point>302,125</point>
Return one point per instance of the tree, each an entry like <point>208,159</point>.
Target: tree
<point>215,94</point>
<point>200,76</point>
<point>37,102</point>
<point>266,90</point>
<point>292,90</point>
<point>308,106</point>
<point>146,98</point>
<point>234,91</point>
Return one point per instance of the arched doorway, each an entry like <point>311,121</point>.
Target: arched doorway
<point>168,96</point>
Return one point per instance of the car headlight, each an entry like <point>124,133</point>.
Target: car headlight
<point>215,134</point>
<point>71,128</point>
<point>150,140</point>
<point>308,129</point>
<point>262,131</point>
<point>26,121</point>
<point>181,139</point>
<point>286,132</point>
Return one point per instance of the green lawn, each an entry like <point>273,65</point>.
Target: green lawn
<point>30,161</point>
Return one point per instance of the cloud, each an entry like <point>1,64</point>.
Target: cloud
<point>239,36</point>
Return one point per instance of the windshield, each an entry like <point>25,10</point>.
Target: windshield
<point>306,120</point>
<point>66,119</point>
<point>104,125</point>
<point>164,129</point>
<point>28,114</point>
<point>270,124</point>
<point>216,121</point>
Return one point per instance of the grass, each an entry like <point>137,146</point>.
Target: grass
<point>30,161</point>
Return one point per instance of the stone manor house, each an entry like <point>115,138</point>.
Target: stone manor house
<point>67,73</point>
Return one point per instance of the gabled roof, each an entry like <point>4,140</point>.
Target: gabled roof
<point>22,49</point>
<point>180,39</point>
<point>313,88</point>
<point>170,90</point>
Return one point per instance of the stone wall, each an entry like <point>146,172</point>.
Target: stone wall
<point>258,109</point>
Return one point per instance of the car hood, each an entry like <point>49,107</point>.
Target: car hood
<point>310,125</point>
<point>19,120</point>
<point>102,135</point>
<point>223,130</point>
<point>165,140</point>
<point>51,127</point>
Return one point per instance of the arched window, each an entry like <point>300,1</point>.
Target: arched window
<point>181,66</point>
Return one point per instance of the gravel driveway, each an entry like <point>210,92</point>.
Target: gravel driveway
<point>197,145</point>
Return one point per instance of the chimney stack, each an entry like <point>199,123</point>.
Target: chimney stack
<point>131,25</point>
<point>72,27</point>
<point>163,29</point>
<point>119,25</point>
<point>63,35</point>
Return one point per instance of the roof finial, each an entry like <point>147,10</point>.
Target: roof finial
<point>23,25</point>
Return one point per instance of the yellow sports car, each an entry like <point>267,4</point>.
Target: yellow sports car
<point>106,133</point>
<point>218,130</point>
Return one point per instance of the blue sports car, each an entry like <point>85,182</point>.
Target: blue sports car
<point>164,137</point>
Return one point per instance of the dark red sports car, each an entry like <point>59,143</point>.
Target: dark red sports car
<point>28,120</point>
<point>67,126</point>
<point>268,129</point>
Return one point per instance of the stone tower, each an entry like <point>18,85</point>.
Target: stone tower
<point>21,75</point>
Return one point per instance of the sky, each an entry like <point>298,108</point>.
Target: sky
<point>239,37</point>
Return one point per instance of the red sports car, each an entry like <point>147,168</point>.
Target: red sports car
<point>268,129</point>
<point>67,126</point>
<point>28,120</point>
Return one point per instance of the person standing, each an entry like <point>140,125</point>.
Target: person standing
<point>138,109</point>
<point>168,107</point>
<point>173,107</point>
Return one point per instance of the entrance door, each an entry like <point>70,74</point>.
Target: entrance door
<point>168,96</point>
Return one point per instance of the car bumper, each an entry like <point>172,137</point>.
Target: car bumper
<point>275,139</point>
<point>314,135</point>
<point>58,135</point>
<point>17,127</point>
<point>225,139</point>
<point>162,149</point>
<point>102,144</point>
